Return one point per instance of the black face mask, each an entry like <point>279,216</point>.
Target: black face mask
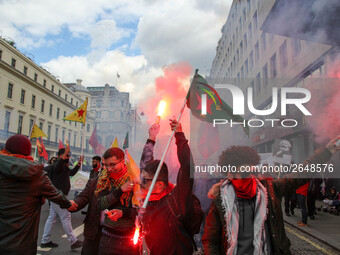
<point>66,160</point>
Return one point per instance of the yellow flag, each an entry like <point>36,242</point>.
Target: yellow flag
<point>133,173</point>
<point>78,115</point>
<point>115,143</point>
<point>37,132</point>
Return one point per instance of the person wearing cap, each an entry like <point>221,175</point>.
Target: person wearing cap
<point>23,187</point>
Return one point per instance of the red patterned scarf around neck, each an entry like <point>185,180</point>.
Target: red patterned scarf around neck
<point>245,188</point>
<point>7,153</point>
<point>106,182</point>
<point>164,192</point>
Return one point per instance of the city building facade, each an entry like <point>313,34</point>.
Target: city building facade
<point>30,94</point>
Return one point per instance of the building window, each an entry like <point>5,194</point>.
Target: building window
<point>273,70</point>
<point>0,54</point>
<point>41,125</point>
<point>98,114</point>
<point>63,136</point>
<point>58,112</point>
<point>265,75</point>
<point>51,109</point>
<point>263,41</point>
<point>71,100</point>
<point>88,128</point>
<point>255,21</point>
<point>44,83</point>
<point>20,124</point>
<point>22,97</point>
<point>10,90</point>
<point>65,97</point>
<point>250,33</point>
<point>77,104</point>
<point>65,116</point>
<point>251,61</point>
<point>246,68</point>
<point>249,5</point>
<point>56,134</point>
<point>257,51</point>
<point>112,114</point>
<point>25,70</point>
<point>52,88</point>
<point>69,136</point>
<point>7,120</point>
<point>244,15</point>
<point>33,102</point>
<point>13,62</point>
<point>59,92</point>
<point>258,83</point>
<point>75,123</point>
<point>31,124</point>
<point>49,132</point>
<point>296,47</point>
<point>99,103</point>
<point>121,115</point>
<point>35,77</point>
<point>74,139</point>
<point>283,54</point>
<point>42,105</point>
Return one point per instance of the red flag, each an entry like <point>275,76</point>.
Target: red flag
<point>41,149</point>
<point>60,145</point>
<point>98,148</point>
<point>93,139</point>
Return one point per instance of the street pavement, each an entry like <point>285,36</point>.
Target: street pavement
<point>321,236</point>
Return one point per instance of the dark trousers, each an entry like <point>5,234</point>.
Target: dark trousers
<point>290,202</point>
<point>311,197</point>
<point>115,245</point>
<point>302,203</point>
<point>91,247</point>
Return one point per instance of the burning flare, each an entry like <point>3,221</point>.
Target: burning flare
<point>161,110</point>
<point>136,236</point>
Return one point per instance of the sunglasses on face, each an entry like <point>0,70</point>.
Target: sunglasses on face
<point>146,180</point>
<point>111,165</point>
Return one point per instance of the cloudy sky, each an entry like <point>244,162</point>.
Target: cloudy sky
<point>95,40</point>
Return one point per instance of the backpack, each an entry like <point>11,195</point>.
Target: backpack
<point>192,225</point>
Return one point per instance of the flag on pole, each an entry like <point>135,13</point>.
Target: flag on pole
<point>216,107</point>
<point>133,173</point>
<point>118,76</point>
<point>60,145</point>
<point>93,139</point>
<point>41,149</point>
<point>78,115</point>
<point>115,143</point>
<point>37,132</point>
<point>126,141</point>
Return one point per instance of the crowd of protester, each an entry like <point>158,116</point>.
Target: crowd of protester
<point>245,215</point>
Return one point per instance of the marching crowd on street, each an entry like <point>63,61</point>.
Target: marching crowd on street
<point>245,216</point>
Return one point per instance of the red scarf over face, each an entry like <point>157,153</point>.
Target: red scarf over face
<point>245,188</point>
<point>118,175</point>
<point>164,192</point>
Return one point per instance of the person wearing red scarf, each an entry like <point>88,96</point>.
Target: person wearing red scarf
<point>245,216</point>
<point>24,185</point>
<point>95,166</point>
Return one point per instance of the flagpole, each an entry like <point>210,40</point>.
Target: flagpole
<point>29,138</point>
<point>82,146</point>
<point>145,204</point>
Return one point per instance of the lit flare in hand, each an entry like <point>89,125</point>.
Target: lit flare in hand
<point>161,110</point>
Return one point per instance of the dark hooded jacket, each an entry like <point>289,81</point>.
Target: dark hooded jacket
<point>23,187</point>
<point>215,240</point>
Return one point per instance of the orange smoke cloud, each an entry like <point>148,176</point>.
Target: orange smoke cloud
<point>172,87</point>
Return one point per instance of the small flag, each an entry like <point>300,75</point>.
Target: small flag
<point>93,139</point>
<point>78,115</point>
<point>216,107</point>
<point>118,76</point>
<point>115,143</point>
<point>41,149</point>
<point>126,141</point>
<point>60,145</point>
<point>37,132</point>
<point>133,173</point>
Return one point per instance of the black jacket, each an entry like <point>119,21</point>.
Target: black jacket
<point>23,187</point>
<point>60,173</point>
<point>165,233</point>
